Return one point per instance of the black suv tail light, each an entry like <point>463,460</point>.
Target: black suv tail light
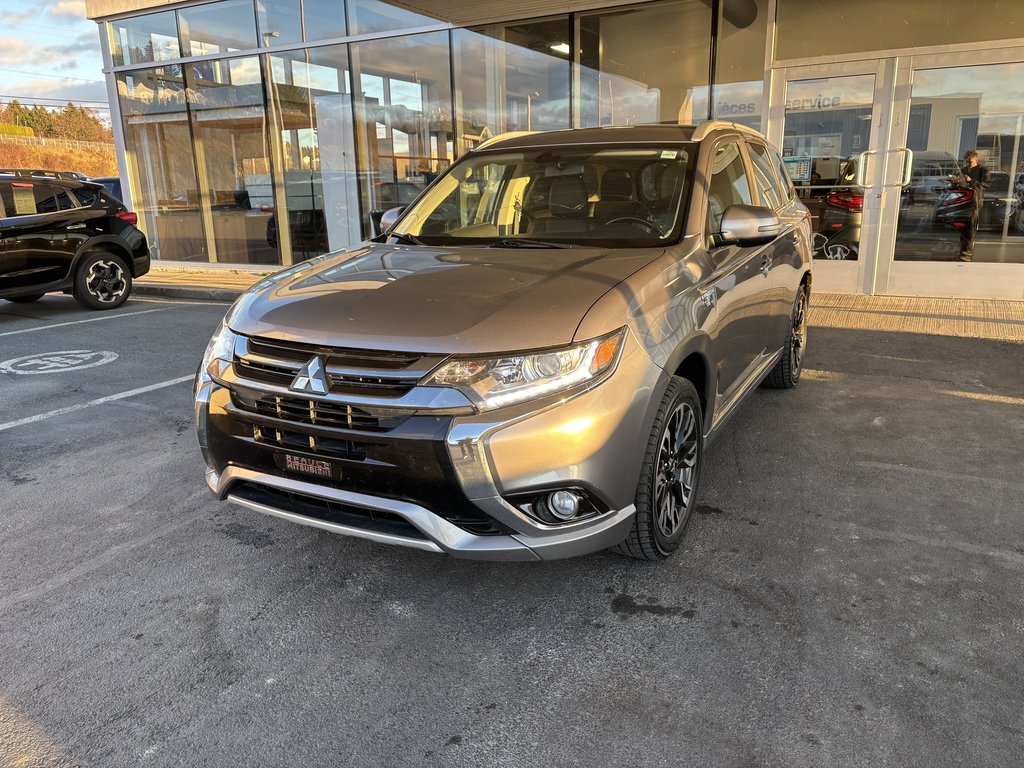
<point>852,201</point>
<point>956,196</point>
<point>130,216</point>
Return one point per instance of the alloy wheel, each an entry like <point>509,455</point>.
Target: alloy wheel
<point>106,281</point>
<point>798,337</point>
<point>676,470</point>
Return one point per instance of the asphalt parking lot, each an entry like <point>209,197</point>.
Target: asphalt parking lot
<point>851,593</point>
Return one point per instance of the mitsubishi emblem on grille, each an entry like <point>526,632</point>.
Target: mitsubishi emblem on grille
<point>312,379</point>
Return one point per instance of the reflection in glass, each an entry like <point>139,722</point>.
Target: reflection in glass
<point>377,16</point>
<point>313,112</point>
<point>158,150</point>
<point>827,127</point>
<point>295,21</point>
<point>221,27</point>
<point>226,101</point>
<point>626,197</point>
<point>511,77</point>
<point>739,63</point>
<point>644,64</point>
<point>942,214</point>
<point>404,129</point>
<point>144,38</point>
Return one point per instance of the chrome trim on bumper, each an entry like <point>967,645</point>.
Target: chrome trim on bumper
<point>442,536</point>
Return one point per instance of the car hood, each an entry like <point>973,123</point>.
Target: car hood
<point>434,299</point>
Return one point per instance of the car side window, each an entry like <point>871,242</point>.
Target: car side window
<point>64,201</point>
<point>772,194</point>
<point>6,201</point>
<point>45,200</point>
<point>729,184</point>
<point>780,167</point>
<point>86,196</point>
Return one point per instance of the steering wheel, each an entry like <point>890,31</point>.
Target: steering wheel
<point>636,220</point>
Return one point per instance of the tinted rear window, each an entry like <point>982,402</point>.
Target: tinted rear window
<point>87,196</point>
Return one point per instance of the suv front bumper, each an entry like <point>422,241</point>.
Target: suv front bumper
<point>429,483</point>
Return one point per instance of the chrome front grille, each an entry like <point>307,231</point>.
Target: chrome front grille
<point>360,372</point>
<point>316,412</point>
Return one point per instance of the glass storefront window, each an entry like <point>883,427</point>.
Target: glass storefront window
<point>226,102</point>
<point>296,21</point>
<point>312,102</point>
<point>943,211</point>
<point>739,62</point>
<point>837,27</point>
<point>377,16</point>
<point>158,150</point>
<point>221,27</point>
<point>153,37</point>
<point>404,127</point>
<point>644,64</point>
<point>512,77</point>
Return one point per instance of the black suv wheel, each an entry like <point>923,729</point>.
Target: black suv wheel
<point>102,281</point>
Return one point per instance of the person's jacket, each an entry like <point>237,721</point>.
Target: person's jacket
<point>979,179</point>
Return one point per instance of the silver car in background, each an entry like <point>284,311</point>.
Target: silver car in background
<point>530,362</point>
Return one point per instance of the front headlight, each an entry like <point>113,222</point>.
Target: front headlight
<point>499,381</point>
<point>219,351</point>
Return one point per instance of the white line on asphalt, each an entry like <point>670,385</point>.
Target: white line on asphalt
<point>91,403</point>
<point>76,322</point>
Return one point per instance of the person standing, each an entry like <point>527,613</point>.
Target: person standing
<point>978,179</point>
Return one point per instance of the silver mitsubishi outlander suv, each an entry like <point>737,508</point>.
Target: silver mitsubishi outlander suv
<point>531,360</point>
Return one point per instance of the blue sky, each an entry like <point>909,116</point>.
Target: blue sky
<point>50,54</point>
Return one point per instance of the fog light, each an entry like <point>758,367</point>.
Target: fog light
<point>564,505</point>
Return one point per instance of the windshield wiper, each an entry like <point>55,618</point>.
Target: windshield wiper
<point>401,236</point>
<point>518,242</point>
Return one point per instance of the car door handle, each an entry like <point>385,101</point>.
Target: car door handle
<point>76,226</point>
<point>766,264</point>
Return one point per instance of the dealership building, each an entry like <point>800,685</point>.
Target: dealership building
<point>265,132</point>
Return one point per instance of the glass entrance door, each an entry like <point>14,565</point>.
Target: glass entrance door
<point>876,150</point>
<point>958,230</point>
<point>830,123</point>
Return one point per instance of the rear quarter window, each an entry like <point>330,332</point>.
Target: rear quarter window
<point>87,196</point>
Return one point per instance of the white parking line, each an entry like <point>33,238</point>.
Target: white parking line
<point>86,320</point>
<point>91,403</point>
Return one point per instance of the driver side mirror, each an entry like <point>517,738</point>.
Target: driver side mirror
<point>389,218</point>
<point>748,225</point>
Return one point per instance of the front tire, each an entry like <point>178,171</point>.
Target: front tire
<point>26,299</point>
<point>102,281</point>
<point>786,373</point>
<point>669,477</point>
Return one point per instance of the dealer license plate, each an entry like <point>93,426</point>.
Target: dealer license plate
<point>307,466</point>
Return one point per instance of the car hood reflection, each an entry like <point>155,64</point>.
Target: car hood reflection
<point>444,300</point>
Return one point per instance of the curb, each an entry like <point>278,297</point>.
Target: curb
<point>188,292</point>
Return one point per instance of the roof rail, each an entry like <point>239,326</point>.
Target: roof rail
<point>502,137</point>
<point>29,173</point>
<point>703,129</point>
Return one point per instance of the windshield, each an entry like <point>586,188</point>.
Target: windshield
<point>622,197</point>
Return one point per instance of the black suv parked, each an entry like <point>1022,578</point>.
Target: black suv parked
<point>58,233</point>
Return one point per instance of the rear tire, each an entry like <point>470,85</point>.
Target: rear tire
<point>786,373</point>
<point>102,281</point>
<point>26,299</point>
<point>670,476</point>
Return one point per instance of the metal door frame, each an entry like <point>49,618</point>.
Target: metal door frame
<point>860,276</point>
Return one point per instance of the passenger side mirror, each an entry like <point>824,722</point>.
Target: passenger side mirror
<point>390,218</point>
<point>748,225</point>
